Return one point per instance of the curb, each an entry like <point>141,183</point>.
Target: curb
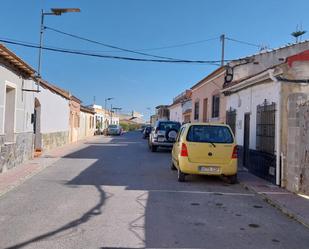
<point>289,213</point>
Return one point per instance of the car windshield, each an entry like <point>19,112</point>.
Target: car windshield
<point>163,126</point>
<point>113,126</point>
<point>209,134</point>
<point>148,128</point>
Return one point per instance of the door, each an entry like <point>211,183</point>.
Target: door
<point>205,106</point>
<point>246,140</point>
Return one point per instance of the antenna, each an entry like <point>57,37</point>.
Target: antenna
<point>298,33</point>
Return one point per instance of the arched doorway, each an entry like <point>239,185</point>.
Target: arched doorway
<point>37,126</point>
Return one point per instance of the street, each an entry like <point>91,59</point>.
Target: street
<point>113,193</point>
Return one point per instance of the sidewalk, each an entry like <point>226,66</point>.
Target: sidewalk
<point>291,204</point>
<point>19,174</point>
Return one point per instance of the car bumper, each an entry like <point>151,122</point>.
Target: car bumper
<point>163,144</point>
<point>113,133</point>
<point>194,168</point>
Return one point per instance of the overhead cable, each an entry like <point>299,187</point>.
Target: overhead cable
<point>211,62</point>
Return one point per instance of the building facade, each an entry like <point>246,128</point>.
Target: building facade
<point>87,122</point>
<point>263,107</point>
<point>51,117</point>
<point>16,110</point>
<point>208,103</point>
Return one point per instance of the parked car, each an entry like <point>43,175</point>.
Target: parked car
<point>146,132</point>
<point>205,149</point>
<point>163,134</point>
<point>114,130</point>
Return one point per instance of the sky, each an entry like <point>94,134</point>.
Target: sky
<point>141,24</point>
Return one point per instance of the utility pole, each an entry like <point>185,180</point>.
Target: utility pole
<point>111,113</point>
<point>222,39</point>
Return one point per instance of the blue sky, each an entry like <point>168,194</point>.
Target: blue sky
<point>140,24</point>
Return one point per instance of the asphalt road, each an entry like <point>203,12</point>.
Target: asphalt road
<point>114,193</point>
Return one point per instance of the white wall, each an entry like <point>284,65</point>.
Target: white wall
<point>23,100</point>
<point>176,113</point>
<point>246,101</point>
<point>267,59</point>
<point>55,111</point>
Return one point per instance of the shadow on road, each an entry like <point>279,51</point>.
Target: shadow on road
<point>175,215</point>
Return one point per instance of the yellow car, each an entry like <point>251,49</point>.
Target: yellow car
<point>205,149</point>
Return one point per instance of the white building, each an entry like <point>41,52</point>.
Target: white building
<point>181,107</point>
<point>52,112</point>
<point>176,112</point>
<point>262,92</point>
<point>16,110</point>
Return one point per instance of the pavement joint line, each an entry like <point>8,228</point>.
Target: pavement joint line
<point>201,192</point>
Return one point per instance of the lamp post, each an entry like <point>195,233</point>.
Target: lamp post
<point>55,12</point>
<point>149,109</point>
<point>107,99</point>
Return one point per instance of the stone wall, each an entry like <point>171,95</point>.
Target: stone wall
<point>297,156</point>
<point>54,139</point>
<point>304,149</point>
<point>15,153</point>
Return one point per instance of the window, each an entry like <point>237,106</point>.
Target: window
<point>196,110</point>
<point>163,126</point>
<point>215,106</point>
<point>209,134</point>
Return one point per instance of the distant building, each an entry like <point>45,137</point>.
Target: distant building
<point>208,103</point>
<point>179,109</point>
<point>133,117</point>
<point>87,122</point>
<point>162,112</point>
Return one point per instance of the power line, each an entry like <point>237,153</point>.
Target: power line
<point>179,45</point>
<point>243,42</point>
<point>68,51</point>
<point>107,45</point>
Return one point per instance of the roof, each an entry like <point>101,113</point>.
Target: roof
<point>209,76</point>
<point>271,50</point>
<point>87,109</point>
<point>15,61</point>
<point>303,56</point>
<point>227,86</point>
<point>74,98</point>
<point>54,89</point>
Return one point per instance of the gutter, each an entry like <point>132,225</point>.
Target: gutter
<point>279,170</point>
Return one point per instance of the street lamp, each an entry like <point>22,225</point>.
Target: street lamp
<point>55,12</point>
<point>149,109</point>
<point>107,99</point>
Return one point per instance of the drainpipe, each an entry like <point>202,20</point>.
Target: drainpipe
<point>279,176</point>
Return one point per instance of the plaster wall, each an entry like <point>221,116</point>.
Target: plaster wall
<point>176,113</point>
<point>246,101</point>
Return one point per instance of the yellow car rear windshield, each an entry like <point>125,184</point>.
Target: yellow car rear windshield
<point>209,134</point>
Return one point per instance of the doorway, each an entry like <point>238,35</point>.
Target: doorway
<point>246,153</point>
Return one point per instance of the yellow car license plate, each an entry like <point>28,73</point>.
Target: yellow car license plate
<point>210,169</point>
